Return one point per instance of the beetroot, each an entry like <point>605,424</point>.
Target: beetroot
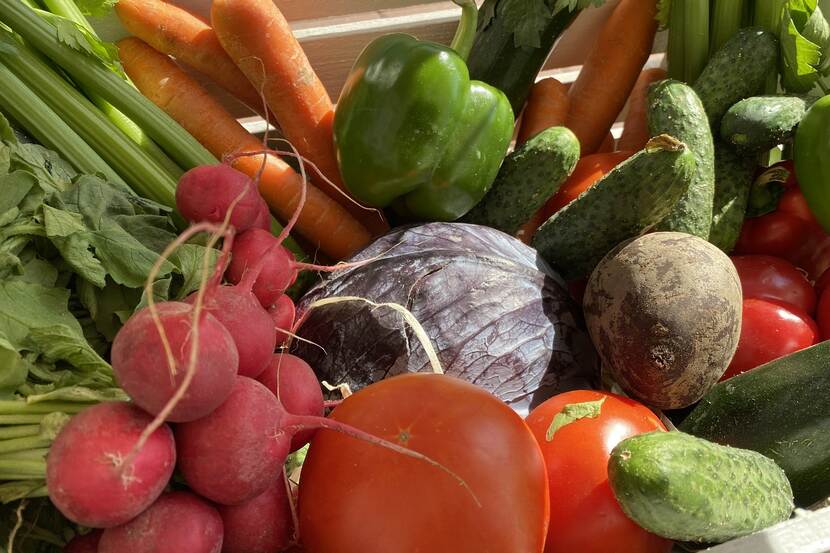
<point>86,473</point>
<point>178,522</point>
<point>297,389</point>
<point>259,247</point>
<point>86,543</point>
<point>206,192</point>
<point>283,313</point>
<point>236,452</point>
<point>260,525</point>
<point>249,325</point>
<point>141,368</point>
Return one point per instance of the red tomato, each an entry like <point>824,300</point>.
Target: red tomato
<point>357,497</point>
<point>585,516</point>
<point>794,203</point>
<point>822,283</point>
<point>773,278</point>
<point>777,233</point>
<point>588,170</point>
<point>770,330</point>
<point>823,316</point>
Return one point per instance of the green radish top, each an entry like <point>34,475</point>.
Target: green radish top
<point>686,488</point>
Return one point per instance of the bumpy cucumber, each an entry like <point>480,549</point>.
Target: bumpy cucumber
<point>757,124</point>
<point>733,178</point>
<point>675,109</point>
<point>737,71</point>
<point>686,488</point>
<point>527,178</point>
<point>634,196</point>
<point>782,410</point>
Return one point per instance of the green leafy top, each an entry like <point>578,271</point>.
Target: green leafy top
<point>805,38</point>
<point>75,252</point>
<point>527,19</point>
<point>663,12</point>
<point>97,8</point>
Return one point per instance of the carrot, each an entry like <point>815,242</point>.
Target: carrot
<point>258,38</point>
<point>635,132</point>
<point>175,31</point>
<point>547,106</point>
<point>608,145</point>
<point>610,71</point>
<point>322,221</point>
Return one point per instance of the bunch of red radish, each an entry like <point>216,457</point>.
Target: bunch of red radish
<point>207,365</point>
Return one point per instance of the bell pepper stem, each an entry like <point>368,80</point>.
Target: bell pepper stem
<point>462,42</point>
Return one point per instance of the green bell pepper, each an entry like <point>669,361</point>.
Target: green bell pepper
<point>413,132</point>
<point>811,154</point>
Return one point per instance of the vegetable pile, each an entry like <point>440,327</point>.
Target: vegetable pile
<point>395,328</point>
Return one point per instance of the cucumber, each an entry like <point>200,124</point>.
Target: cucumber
<point>782,410</point>
<point>686,488</point>
<point>527,178</point>
<point>676,110</point>
<point>737,71</point>
<point>634,196</point>
<point>760,123</point>
<point>733,178</point>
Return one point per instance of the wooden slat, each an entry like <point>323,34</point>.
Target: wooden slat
<point>297,10</point>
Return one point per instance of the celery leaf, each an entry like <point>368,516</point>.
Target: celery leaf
<point>805,37</point>
<point>96,8</point>
<point>663,12</point>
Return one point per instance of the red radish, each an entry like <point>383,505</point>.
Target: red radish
<point>261,525</point>
<point>283,313</point>
<point>141,366</point>
<point>248,323</point>
<point>207,192</point>
<point>263,218</point>
<point>259,247</point>
<point>178,522</point>
<point>236,452</point>
<point>86,473</point>
<point>86,543</point>
<point>296,386</point>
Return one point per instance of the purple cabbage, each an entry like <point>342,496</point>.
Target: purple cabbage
<point>497,315</point>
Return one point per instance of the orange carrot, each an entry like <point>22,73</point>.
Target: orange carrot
<point>177,32</point>
<point>608,145</point>
<point>547,106</point>
<point>635,132</point>
<point>259,40</point>
<point>322,221</point>
<point>610,71</point>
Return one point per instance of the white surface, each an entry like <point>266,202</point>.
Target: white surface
<point>807,532</point>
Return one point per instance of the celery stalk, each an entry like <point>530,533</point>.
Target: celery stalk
<point>727,16</point>
<point>768,14</point>
<point>26,107</point>
<point>676,53</point>
<point>697,37</point>
<point>69,10</point>
<point>141,172</point>
<point>87,72</point>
